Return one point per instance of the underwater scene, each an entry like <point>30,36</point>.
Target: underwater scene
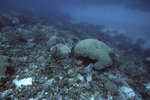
<point>74,49</point>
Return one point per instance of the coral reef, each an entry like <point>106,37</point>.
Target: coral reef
<point>45,59</point>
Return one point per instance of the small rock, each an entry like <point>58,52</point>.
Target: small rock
<point>40,59</point>
<point>88,86</point>
<point>15,20</point>
<point>110,86</point>
<point>147,60</point>
<point>72,74</point>
<point>31,45</point>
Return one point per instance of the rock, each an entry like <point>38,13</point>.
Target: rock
<point>147,61</point>
<point>88,86</point>
<point>23,59</point>
<point>72,74</point>
<point>128,93</point>
<point>111,87</point>
<point>40,59</point>
<point>31,45</point>
<point>15,20</point>
<point>95,50</point>
<point>60,50</point>
<point>52,41</point>
<point>75,39</point>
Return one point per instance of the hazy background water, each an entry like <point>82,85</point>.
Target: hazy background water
<point>128,17</point>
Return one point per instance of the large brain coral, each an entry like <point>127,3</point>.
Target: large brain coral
<point>95,50</point>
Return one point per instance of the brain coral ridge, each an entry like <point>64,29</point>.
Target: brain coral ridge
<point>96,50</point>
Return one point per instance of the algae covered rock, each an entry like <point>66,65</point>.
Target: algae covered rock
<point>60,50</point>
<point>3,65</point>
<point>95,50</point>
<point>52,41</point>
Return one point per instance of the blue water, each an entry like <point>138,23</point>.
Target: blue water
<point>128,17</point>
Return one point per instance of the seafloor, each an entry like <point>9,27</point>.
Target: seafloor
<point>32,67</point>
